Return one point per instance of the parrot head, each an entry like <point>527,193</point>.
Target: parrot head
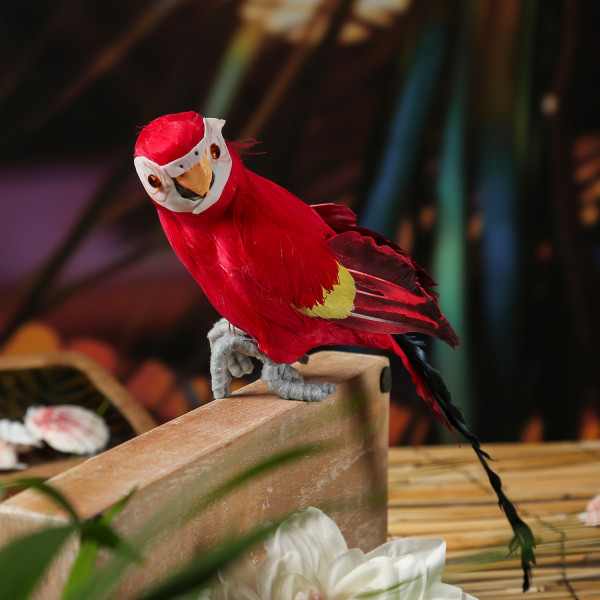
<point>183,161</point>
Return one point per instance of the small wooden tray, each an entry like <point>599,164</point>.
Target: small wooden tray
<point>66,378</point>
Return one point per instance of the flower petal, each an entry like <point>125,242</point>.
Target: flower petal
<point>297,587</point>
<point>313,535</point>
<point>342,566</point>
<point>430,552</point>
<point>308,559</point>
<point>16,433</point>
<point>68,428</point>
<point>274,570</point>
<point>233,590</point>
<point>9,458</point>
<point>382,577</point>
<point>591,516</point>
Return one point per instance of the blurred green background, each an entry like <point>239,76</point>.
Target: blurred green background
<point>466,130</point>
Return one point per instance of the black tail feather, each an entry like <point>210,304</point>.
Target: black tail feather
<point>523,536</point>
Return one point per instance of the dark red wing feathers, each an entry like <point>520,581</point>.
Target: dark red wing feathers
<point>393,291</point>
<point>341,218</point>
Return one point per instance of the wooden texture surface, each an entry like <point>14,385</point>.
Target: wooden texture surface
<point>177,464</point>
<point>442,491</point>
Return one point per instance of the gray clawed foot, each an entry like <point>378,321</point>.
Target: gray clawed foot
<point>231,350</point>
<point>238,364</point>
<point>224,360</point>
<point>286,381</point>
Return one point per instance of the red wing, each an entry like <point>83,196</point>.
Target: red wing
<point>341,219</point>
<point>392,291</point>
<point>336,215</point>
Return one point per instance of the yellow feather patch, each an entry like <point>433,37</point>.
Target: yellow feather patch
<point>339,302</point>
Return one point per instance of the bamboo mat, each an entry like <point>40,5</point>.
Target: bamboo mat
<point>442,491</point>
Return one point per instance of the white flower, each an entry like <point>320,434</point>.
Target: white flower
<point>308,559</point>
<point>591,516</point>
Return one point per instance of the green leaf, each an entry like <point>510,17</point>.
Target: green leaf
<point>100,533</point>
<point>94,535</point>
<point>104,535</point>
<point>24,561</point>
<point>44,488</point>
<point>114,510</point>
<point>82,567</point>
<point>198,572</point>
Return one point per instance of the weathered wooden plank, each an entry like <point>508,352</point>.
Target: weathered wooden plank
<point>182,461</point>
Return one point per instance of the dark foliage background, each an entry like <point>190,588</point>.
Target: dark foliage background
<point>467,130</point>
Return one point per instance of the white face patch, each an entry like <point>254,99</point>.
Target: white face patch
<point>159,182</point>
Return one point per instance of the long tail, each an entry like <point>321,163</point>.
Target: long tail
<point>433,388</point>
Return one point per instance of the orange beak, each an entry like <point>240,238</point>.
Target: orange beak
<point>198,178</point>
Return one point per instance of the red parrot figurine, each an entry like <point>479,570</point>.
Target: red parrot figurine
<point>288,277</point>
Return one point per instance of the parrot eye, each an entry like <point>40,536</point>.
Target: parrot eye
<point>154,181</point>
<point>215,151</point>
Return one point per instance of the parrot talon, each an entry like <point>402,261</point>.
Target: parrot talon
<point>238,364</point>
<point>287,382</point>
<point>230,357</point>
<point>223,349</point>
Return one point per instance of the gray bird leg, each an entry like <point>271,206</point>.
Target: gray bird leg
<point>221,354</point>
<point>287,382</point>
<point>238,364</point>
<point>230,354</point>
